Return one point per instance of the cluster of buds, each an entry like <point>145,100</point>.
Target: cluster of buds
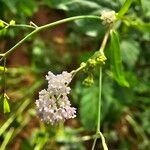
<point>97,59</point>
<point>53,105</point>
<point>88,81</point>
<point>108,17</point>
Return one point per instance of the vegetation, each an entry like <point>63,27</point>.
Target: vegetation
<point>105,47</point>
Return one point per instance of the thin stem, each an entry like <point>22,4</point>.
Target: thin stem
<point>102,47</point>
<point>94,143</point>
<point>100,99</point>
<point>103,141</point>
<point>50,25</point>
<point>74,72</point>
<point>99,108</point>
<point>22,25</point>
<point>19,43</point>
<point>4,75</point>
<point>7,25</point>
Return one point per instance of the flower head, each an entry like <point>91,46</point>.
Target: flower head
<point>53,104</point>
<point>108,17</point>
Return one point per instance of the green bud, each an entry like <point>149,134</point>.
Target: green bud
<point>1,24</point>
<point>88,81</point>
<point>12,22</point>
<point>101,59</point>
<point>83,64</point>
<point>91,62</point>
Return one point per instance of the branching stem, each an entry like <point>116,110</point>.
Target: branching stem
<point>50,25</point>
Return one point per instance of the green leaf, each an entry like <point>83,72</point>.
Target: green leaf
<point>138,24</point>
<point>89,107</point>
<point>6,106</point>
<point>144,27</point>
<point>146,7</point>
<point>130,51</point>
<point>7,138</point>
<point>115,59</point>
<point>75,7</point>
<point>124,8</point>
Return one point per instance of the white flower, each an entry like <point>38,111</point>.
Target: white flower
<point>53,104</point>
<point>108,17</point>
<point>57,84</point>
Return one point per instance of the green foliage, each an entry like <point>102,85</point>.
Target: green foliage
<point>125,111</point>
<point>124,8</point>
<point>2,69</point>
<point>6,106</point>
<point>115,59</point>
<point>88,107</point>
<point>25,7</point>
<point>145,7</point>
<point>75,7</point>
<point>130,52</point>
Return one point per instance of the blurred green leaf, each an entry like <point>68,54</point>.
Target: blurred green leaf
<point>144,27</point>
<point>124,8</point>
<point>6,106</point>
<point>27,7</point>
<point>138,24</point>
<point>115,59</point>
<point>89,107</point>
<point>7,123</point>
<point>129,51</point>
<point>7,138</point>
<point>146,7</point>
<point>74,6</point>
<point>2,68</point>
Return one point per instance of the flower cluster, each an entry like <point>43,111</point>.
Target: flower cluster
<point>53,104</point>
<point>108,17</point>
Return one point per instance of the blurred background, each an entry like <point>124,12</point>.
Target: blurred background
<point>125,114</point>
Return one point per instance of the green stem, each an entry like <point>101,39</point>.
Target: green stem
<point>50,25</point>
<point>100,100</point>
<point>4,76</point>
<point>104,41</point>
<point>99,108</point>
<point>101,49</point>
<point>103,141</point>
<point>22,25</point>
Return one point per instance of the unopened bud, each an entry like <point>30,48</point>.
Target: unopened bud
<point>88,81</point>
<point>91,62</point>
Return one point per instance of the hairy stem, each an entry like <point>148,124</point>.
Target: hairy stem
<point>50,25</point>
